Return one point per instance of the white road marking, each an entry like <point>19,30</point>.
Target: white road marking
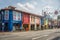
<point>51,37</point>
<point>39,37</point>
<point>7,35</point>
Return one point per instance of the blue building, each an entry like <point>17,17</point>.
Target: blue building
<point>42,23</point>
<point>10,19</point>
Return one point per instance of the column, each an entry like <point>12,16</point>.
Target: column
<point>29,27</point>
<point>10,24</point>
<point>35,24</point>
<point>3,12</point>
<point>30,24</point>
<point>35,27</point>
<point>20,25</point>
<point>40,24</point>
<point>10,27</point>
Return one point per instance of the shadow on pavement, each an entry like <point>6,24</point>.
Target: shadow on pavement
<point>57,38</point>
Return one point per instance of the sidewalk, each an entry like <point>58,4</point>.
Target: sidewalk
<point>9,33</point>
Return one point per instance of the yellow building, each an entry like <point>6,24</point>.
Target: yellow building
<point>46,23</point>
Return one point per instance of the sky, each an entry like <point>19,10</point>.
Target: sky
<point>32,6</point>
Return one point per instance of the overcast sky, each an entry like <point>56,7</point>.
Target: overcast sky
<point>33,6</point>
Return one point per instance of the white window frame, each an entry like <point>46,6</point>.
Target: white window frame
<point>17,13</point>
<point>6,12</point>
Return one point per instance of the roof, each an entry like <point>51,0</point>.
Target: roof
<point>21,11</point>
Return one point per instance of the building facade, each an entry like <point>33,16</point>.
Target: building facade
<point>26,21</point>
<point>11,20</point>
<point>16,20</point>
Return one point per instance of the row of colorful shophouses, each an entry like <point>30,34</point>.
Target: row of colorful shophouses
<point>12,19</point>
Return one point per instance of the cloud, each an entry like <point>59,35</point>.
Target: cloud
<point>22,6</point>
<point>47,1</point>
<point>35,3</point>
<point>29,6</point>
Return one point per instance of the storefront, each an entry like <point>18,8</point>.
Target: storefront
<point>38,26</point>
<point>16,27</point>
<point>5,20</point>
<point>17,23</point>
<point>32,27</point>
<point>26,21</point>
<point>42,23</point>
<point>26,27</point>
<point>37,23</point>
<point>46,24</point>
<point>32,22</point>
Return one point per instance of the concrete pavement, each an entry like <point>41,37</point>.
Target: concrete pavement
<point>29,35</point>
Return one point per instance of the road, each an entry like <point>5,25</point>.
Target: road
<point>51,34</point>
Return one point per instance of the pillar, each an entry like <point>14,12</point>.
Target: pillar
<point>29,27</point>
<point>3,12</point>
<point>30,24</point>
<point>10,27</point>
<point>40,24</point>
<point>35,27</point>
<point>10,24</point>
<point>35,24</point>
<point>20,25</point>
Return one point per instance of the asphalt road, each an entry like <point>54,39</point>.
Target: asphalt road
<point>32,35</point>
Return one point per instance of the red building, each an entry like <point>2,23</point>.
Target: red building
<point>25,20</point>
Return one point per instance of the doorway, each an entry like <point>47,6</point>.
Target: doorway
<point>32,26</point>
<point>16,27</point>
<point>26,27</point>
<point>38,27</point>
<point>6,27</point>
